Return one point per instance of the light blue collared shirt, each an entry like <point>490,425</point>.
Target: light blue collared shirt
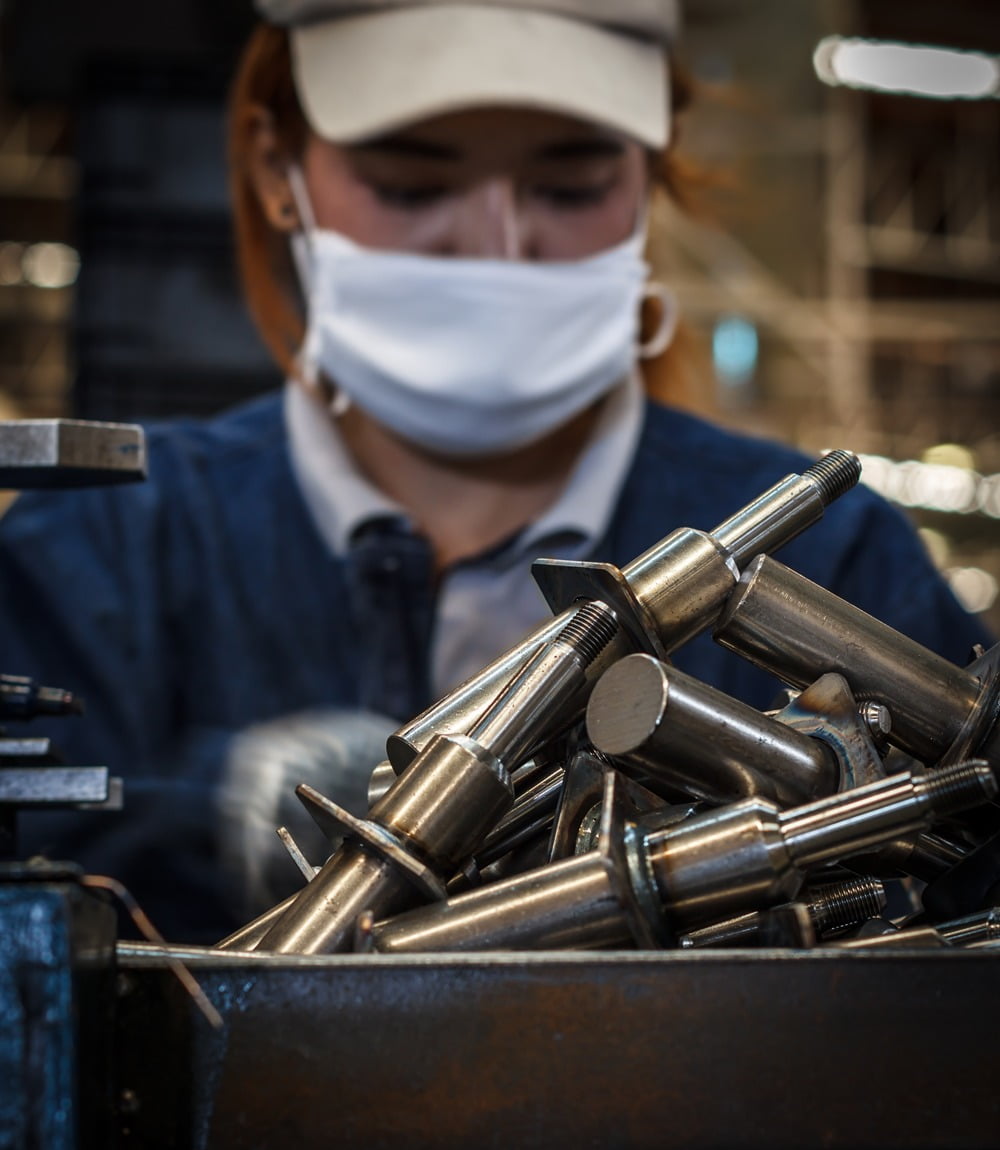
<point>488,603</point>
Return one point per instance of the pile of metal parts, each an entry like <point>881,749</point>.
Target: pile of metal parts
<point>579,794</point>
<point>582,793</point>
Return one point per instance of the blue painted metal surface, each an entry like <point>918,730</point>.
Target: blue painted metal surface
<point>56,951</point>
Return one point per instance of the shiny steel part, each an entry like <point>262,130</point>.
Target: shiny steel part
<point>578,816</point>
<point>70,453</point>
<point>789,507</point>
<point>828,711</point>
<point>973,930</point>
<point>248,936</point>
<point>531,814</point>
<point>836,905</point>
<point>581,902</point>
<point>706,868</point>
<point>523,710</point>
<point>22,698</point>
<point>383,776</point>
<point>673,591</point>
<point>321,918</point>
<point>925,855</point>
<point>832,906</point>
<point>798,631</point>
<point>568,904</point>
<point>662,598</point>
<point>915,938</point>
<point>751,854</point>
<point>446,801</point>
<point>646,714</point>
<point>462,708</point>
<point>304,866</point>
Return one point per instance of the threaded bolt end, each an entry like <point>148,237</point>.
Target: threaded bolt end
<point>834,475</point>
<point>845,903</point>
<point>957,788</point>
<point>590,630</point>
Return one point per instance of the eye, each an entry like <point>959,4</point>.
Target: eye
<point>570,196</point>
<point>408,196</point>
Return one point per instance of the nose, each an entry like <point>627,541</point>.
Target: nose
<point>487,225</point>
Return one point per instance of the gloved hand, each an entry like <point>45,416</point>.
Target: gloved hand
<point>333,750</point>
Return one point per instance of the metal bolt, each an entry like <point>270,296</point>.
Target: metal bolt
<point>836,905</point>
<point>878,720</point>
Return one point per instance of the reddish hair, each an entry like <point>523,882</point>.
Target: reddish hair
<point>264,80</point>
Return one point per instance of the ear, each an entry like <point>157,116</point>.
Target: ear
<point>268,170</point>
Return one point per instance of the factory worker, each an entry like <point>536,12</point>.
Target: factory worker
<point>441,214</point>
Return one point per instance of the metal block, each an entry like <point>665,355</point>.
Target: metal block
<point>70,453</point>
<point>56,955</point>
<point>53,786</point>
<point>771,1049</point>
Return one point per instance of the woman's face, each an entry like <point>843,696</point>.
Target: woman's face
<point>490,183</point>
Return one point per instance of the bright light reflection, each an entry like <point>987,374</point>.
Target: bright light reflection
<point>51,265</point>
<point>974,588</point>
<point>940,73</point>
<point>932,486</point>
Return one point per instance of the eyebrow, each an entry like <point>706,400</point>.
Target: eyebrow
<point>582,148</point>
<point>575,148</point>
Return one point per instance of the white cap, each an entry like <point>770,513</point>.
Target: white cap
<point>363,69</point>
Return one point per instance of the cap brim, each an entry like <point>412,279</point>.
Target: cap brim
<point>362,76</point>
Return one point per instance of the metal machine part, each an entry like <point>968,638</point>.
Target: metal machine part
<point>674,590</point>
<point>926,855</point>
<point>662,598</point>
<point>769,850</point>
<point>647,714</point>
<point>797,630</point>
<point>973,930</point>
<point>830,907</point>
<point>23,698</point>
<point>740,857</point>
<point>70,453</point>
<point>449,797</point>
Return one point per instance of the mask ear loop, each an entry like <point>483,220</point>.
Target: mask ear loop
<point>303,249</point>
<point>661,339</point>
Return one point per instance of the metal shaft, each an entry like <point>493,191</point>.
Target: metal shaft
<point>742,857</point>
<point>678,587</point>
<point>447,800</point>
<point>798,631</point>
<point>571,903</point>
<point>973,930</point>
<point>830,907</point>
<point>750,854</point>
<point>693,737</point>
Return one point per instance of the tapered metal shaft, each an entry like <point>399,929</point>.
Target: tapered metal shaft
<point>797,630</point>
<point>712,866</point>
<point>445,802</point>
<point>830,907</point>
<point>676,587</point>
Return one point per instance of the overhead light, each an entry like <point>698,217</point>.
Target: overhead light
<point>974,588</point>
<point>50,265</point>
<point>913,69</point>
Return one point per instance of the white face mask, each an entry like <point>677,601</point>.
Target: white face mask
<point>470,356</point>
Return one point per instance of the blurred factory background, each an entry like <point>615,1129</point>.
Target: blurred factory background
<point>847,293</point>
